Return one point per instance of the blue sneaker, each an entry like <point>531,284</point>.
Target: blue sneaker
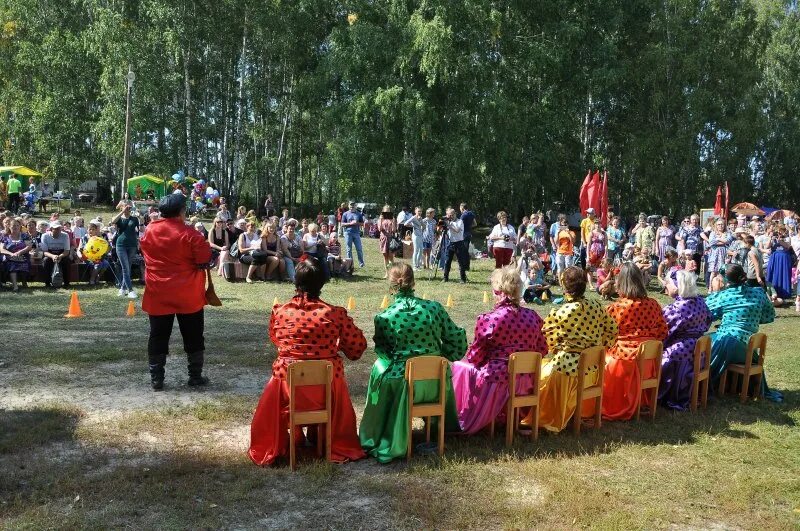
<point>558,300</point>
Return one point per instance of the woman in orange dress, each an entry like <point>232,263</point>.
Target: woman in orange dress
<point>639,319</point>
<point>307,328</point>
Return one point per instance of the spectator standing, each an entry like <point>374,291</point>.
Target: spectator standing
<point>352,221</point>
<point>690,238</point>
<point>504,240</point>
<point>616,239</point>
<point>587,225</point>
<point>126,244</point>
<point>457,246</point>
<point>468,218</point>
<point>417,224</point>
<point>14,187</point>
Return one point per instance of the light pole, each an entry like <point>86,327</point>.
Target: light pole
<point>126,150</point>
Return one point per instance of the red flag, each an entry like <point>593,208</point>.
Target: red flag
<point>604,201</point>
<point>727,199</point>
<point>594,192</point>
<point>583,198</point>
<point>718,203</point>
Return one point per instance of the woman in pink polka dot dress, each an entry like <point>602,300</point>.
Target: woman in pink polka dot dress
<point>480,381</point>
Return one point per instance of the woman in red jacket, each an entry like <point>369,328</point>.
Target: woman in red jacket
<point>306,328</point>
<point>175,256</point>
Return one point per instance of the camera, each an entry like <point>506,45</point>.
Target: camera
<point>506,237</point>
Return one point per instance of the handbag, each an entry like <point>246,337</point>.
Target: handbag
<point>57,278</point>
<point>395,244</point>
<point>233,252</point>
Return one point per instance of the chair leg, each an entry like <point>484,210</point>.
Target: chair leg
<point>328,437</point>
<point>535,413</point>
<point>695,391</point>
<point>598,412</point>
<point>759,392</point>
<point>410,435</point>
<point>491,429</point>
<point>511,417</point>
<point>654,404</point>
<point>320,434</point>
<point>639,405</point>
<point>706,384</point>
<point>745,385</point>
<point>292,449</point>
<point>723,379</point>
<point>427,429</point>
<point>441,435</point>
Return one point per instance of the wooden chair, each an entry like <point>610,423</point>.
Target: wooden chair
<point>589,357</point>
<point>702,377</point>
<point>522,363</point>
<point>649,350</point>
<point>426,368</point>
<point>302,373</point>
<point>757,342</point>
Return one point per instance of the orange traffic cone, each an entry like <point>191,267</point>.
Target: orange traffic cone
<point>275,301</point>
<point>351,303</point>
<point>424,296</point>
<point>450,303</point>
<point>74,307</point>
<point>385,302</point>
<point>545,298</point>
<point>131,309</point>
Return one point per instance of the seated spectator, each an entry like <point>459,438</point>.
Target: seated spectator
<point>308,320</point>
<point>291,249</point>
<point>535,285</point>
<point>199,227</point>
<point>219,239</point>
<point>271,247</point>
<point>56,248</point>
<point>313,245</point>
<point>15,247</point>
<point>606,279</point>
<point>337,264</point>
<point>250,252</point>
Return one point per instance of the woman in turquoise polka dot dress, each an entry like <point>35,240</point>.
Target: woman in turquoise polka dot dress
<point>742,309</point>
<point>409,327</point>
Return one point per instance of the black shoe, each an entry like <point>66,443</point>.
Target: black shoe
<point>157,384</point>
<point>195,381</point>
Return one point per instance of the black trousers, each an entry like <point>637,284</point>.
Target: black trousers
<point>191,326</point>
<point>459,251</point>
<point>13,202</point>
<point>63,265</point>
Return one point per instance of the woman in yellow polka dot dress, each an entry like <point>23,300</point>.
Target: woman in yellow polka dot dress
<point>576,325</point>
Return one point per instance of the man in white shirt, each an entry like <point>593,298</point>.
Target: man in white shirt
<point>457,246</point>
<point>56,248</point>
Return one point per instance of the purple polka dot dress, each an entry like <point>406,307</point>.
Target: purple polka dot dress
<point>480,381</point>
<point>687,321</point>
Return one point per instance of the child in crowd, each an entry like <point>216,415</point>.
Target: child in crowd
<point>338,266</point>
<point>667,273</point>
<point>535,285</point>
<point>644,263</point>
<point>98,266</point>
<point>606,282</point>
<point>324,232</point>
<point>628,252</point>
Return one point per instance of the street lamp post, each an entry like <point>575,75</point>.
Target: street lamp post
<point>126,150</point>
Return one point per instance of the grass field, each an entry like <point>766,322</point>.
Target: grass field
<point>85,443</point>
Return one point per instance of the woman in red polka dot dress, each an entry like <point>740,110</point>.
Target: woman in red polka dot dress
<point>639,319</point>
<point>480,381</point>
<point>306,328</point>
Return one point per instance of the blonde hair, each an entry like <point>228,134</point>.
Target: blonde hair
<point>401,278</point>
<point>507,280</point>
<point>312,227</point>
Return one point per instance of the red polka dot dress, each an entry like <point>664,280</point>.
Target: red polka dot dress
<point>307,329</point>
<point>639,320</point>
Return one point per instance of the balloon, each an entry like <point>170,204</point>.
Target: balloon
<point>95,248</point>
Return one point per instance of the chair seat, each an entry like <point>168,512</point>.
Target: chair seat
<point>649,384</point>
<point>739,368</point>
<point>427,410</point>
<point>592,392</point>
<point>526,401</point>
<point>311,417</point>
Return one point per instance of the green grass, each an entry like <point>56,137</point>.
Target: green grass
<point>84,443</point>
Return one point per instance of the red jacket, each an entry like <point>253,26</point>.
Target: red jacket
<point>173,253</point>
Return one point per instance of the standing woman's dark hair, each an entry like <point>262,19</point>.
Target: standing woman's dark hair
<point>309,277</point>
<point>735,275</point>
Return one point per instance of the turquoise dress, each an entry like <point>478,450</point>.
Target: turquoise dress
<point>742,309</point>
<point>409,327</point>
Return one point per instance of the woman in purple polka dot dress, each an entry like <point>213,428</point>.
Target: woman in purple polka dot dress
<point>687,319</point>
<point>480,381</point>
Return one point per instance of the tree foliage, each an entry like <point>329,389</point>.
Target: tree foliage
<point>505,103</point>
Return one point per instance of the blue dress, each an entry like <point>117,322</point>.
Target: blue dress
<point>742,309</point>
<point>779,271</point>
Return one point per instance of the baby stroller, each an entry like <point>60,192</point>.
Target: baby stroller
<point>28,204</point>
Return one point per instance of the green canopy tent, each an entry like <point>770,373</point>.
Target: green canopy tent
<point>139,186</point>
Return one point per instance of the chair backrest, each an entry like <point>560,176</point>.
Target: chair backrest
<point>524,363</point>
<point>757,342</point>
<point>590,357</point>
<point>702,349</point>
<point>310,372</point>
<point>426,368</point>
<point>649,350</point>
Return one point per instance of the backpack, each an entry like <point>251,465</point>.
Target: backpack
<point>233,251</point>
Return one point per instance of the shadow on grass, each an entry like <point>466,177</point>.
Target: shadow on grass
<point>32,428</point>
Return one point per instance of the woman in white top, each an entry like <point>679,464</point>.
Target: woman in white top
<point>313,244</point>
<point>250,252</point>
<point>504,240</point>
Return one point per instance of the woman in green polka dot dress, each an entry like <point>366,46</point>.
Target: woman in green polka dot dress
<point>569,329</point>
<point>409,327</point>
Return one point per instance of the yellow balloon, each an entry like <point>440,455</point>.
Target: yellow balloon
<point>95,248</point>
